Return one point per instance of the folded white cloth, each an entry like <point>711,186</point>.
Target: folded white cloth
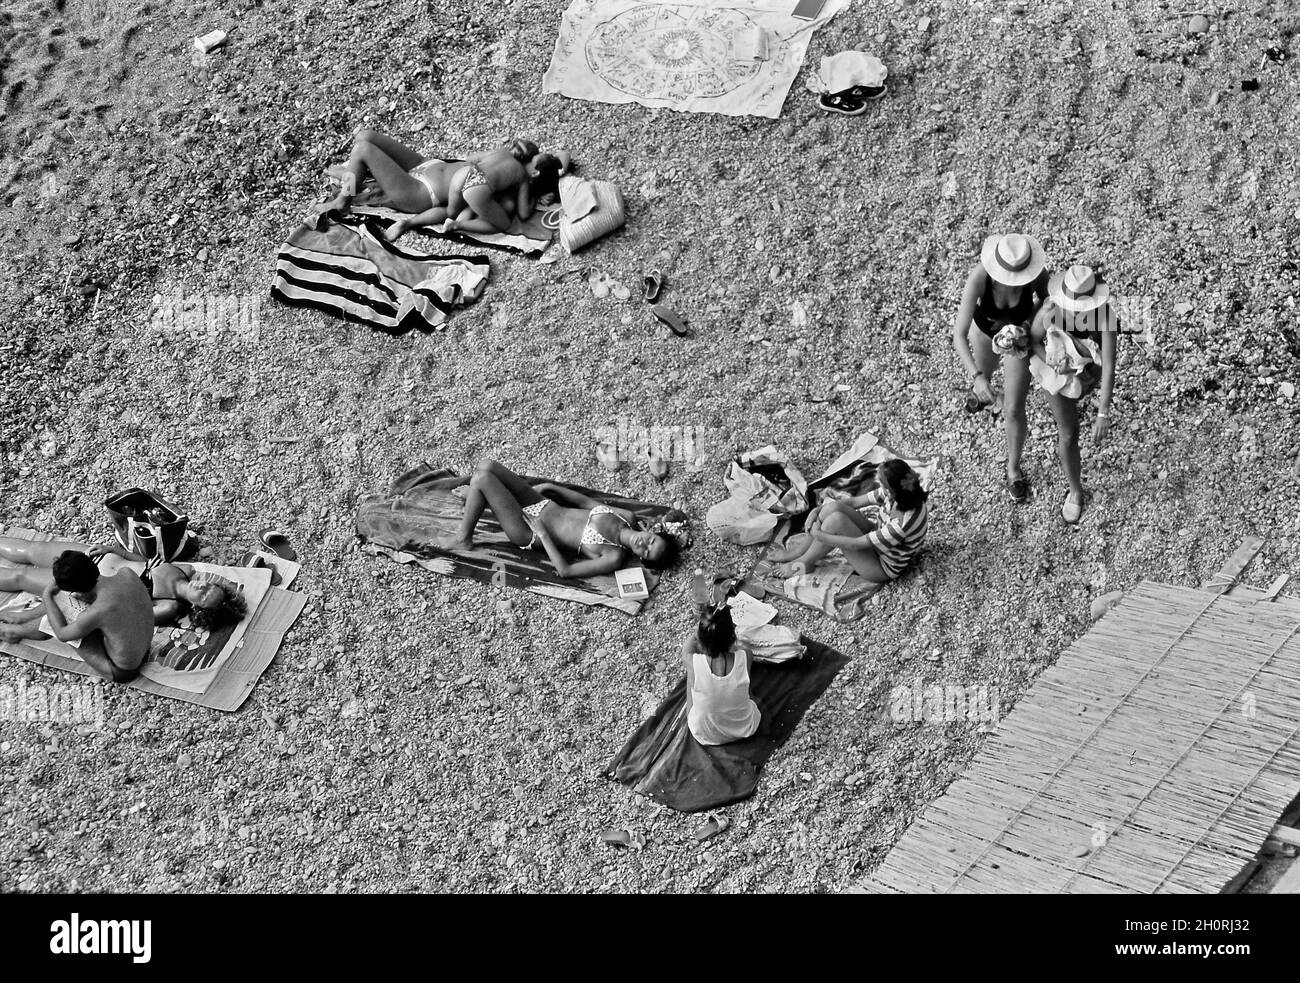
<point>750,44</point>
<point>847,69</point>
<point>577,197</point>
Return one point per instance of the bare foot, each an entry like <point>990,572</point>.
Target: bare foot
<point>395,231</point>
<point>453,544</point>
<point>795,568</point>
<point>794,548</point>
<point>339,204</point>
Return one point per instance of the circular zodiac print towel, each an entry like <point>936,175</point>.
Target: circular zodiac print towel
<point>735,58</point>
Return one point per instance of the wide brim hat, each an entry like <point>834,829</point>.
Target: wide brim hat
<point>1013,260</point>
<point>1078,289</point>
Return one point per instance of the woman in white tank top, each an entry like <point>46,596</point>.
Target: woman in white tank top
<point>719,709</point>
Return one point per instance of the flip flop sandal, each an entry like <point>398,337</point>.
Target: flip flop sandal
<point>654,282</point>
<point>622,837</point>
<point>839,104</point>
<point>714,826</point>
<point>1018,490</point>
<point>671,319</point>
<point>278,543</point>
<point>256,562</point>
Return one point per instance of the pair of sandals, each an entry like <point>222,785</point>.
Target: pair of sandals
<point>1071,511</point>
<point>852,101</point>
<point>653,283</point>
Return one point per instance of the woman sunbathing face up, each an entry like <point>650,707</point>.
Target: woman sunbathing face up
<point>553,518</point>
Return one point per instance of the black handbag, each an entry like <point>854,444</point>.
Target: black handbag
<point>148,525</point>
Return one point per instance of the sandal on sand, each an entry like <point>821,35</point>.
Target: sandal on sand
<point>667,316</point>
<point>622,837</point>
<point>278,543</point>
<point>842,104</point>
<point>256,561</point>
<point>654,281</point>
<point>1018,490</point>
<point>1072,511</point>
<point>714,826</point>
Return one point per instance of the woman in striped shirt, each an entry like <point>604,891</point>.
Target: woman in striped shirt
<point>879,532</point>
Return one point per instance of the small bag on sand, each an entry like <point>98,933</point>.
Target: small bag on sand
<point>594,221</point>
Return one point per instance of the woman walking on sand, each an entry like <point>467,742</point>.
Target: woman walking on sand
<point>1073,351</point>
<point>1002,294</point>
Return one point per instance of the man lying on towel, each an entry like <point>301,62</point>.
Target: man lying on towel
<point>880,532</point>
<point>106,594</point>
<point>548,517</point>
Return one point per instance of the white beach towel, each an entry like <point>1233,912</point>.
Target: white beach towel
<point>735,57</point>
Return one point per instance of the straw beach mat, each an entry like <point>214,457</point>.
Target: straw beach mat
<point>1154,757</point>
<point>608,214</point>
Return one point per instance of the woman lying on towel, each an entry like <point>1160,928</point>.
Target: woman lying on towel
<point>719,709</point>
<point>548,517</point>
<point>478,194</point>
<point>175,588</point>
<point>880,532</point>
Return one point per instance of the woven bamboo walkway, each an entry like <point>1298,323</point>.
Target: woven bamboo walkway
<point>1153,757</point>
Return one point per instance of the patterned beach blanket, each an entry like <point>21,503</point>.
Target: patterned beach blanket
<point>735,57</point>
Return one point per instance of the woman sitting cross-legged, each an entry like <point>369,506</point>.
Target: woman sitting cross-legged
<point>879,541</point>
<point>719,708</point>
<point>549,517</point>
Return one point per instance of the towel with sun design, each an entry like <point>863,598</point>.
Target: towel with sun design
<point>736,57</point>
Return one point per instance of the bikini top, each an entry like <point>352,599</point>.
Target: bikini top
<point>591,535</point>
<point>988,314</point>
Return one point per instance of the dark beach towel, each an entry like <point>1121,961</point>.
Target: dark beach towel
<point>403,523</point>
<point>664,762</point>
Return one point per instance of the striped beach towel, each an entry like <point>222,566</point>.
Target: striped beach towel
<point>348,269</point>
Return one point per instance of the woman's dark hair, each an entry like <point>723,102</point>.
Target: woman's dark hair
<point>716,631</point>
<point>672,549</point>
<point>903,483</point>
<point>230,611</point>
<point>548,175</point>
<point>75,572</point>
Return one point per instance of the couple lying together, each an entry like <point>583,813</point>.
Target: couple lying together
<point>115,608</point>
<point>482,194</point>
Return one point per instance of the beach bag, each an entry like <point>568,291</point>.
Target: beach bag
<point>591,209</point>
<point>148,525</point>
<point>735,520</point>
<point>767,480</point>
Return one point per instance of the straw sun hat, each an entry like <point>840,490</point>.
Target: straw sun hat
<point>1013,259</point>
<point>1078,289</point>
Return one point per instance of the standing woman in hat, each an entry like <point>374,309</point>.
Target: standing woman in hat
<point>1002,293</point>
<point>1073,350</point>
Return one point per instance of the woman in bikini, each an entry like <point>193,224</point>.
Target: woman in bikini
<point>1003,292</point>
<point>1072,344</point>
<point>176,590</point>
<point>431,190</point>
<point>605,539</point>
